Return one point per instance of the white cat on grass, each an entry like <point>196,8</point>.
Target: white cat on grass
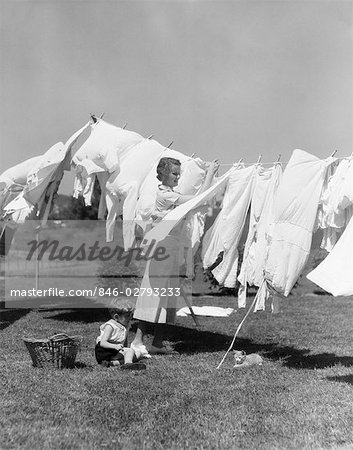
<point>241,359</point>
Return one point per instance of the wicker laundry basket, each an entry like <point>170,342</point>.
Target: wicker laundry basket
<point>59,351</point>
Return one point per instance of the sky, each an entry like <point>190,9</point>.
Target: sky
<point>225,79</point>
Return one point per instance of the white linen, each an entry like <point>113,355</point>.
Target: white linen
<point>123,186</point>
<point>295,212</point>
<point>335,273</point>
<point>225,233</point>
<point>261,215</point>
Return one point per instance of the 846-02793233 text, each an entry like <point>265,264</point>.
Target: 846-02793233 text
<point>96,292</point>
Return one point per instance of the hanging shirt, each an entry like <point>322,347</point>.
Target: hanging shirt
<point>295,212</point>
<point>101,152</point>
<point>334,273</point>
<point>225,233</point>
<point>261,215</point>
<point>335,208</point>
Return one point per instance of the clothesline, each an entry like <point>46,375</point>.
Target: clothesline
<point>271,163</point>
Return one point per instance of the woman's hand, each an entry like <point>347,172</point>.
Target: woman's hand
<point>213,167</point>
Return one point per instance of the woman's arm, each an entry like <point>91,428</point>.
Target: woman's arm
<point>212,169</point>
<point>104,339</point>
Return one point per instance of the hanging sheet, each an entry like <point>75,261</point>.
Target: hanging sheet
<point>295,212</point>
<point>334,274</point>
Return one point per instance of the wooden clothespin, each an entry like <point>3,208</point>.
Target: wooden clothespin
<point>94,118</point>
<point>238,163</point>
<point>278,159</point>
<point>150,137</point>
<point>259,160</point>
<point>169,145</point>
<point>333,153</point>
<point>193,155</point>
<point>124,126</point>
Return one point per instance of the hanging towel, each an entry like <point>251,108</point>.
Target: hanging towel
<point>295,212</point>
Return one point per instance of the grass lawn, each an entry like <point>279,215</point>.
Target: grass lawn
<point>302,397</point>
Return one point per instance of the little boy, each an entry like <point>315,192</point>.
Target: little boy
<point>110,350</point>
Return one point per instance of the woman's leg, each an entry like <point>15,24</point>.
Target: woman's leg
<point>140,333</point>
<point>137,345</point>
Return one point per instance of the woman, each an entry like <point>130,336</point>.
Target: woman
<point>163,276</point>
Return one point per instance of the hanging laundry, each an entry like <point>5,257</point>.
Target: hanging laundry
<point>14,179</point>
<point>334,273</point>
<point>335,208</point>
<point>46,172</point>
<point>295,212</point>
<point>160,231</point>
<point>225,233</point>
<point>101,152</point>
<point>122,187</point>
<point>261,215</point>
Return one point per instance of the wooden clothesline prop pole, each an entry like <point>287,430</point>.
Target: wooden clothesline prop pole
<point>241,324</point>
<point>193,315</point>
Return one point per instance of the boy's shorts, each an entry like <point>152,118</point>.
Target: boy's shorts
<point>108,354</point>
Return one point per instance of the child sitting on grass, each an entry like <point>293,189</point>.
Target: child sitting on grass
<point>110,349</point>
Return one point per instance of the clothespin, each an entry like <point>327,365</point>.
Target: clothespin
<point>333,153</point>
<point>169,145</point>
<point>279,158</point>
<point>150,137</point>
<point>238,163</point>
<point>124,126</point>
<point>94,118</point>
<point>259,160</point>
<point>193,155</point>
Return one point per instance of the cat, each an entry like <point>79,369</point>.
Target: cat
<point>241,359</point>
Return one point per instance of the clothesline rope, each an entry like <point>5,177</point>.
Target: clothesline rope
<point>241,324</point>
<point>274,162</point>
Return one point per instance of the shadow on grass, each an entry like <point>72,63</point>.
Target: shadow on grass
<point>342,379</point>
<point>9,316</point>
<point>85,315</point>
<point>191,340</point>
<point>292,357</point>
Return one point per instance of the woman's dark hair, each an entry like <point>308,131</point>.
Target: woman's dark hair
<point>165,166</point>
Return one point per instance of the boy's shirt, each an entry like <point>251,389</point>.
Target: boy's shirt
<point>118,335</point>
